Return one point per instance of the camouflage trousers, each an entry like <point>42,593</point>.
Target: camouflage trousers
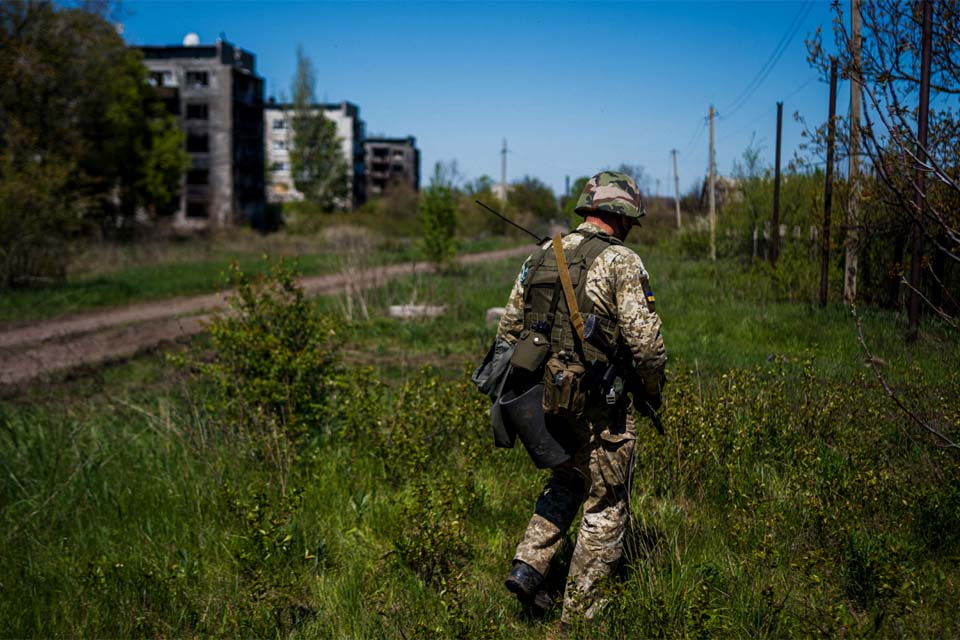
<point>598,477</point>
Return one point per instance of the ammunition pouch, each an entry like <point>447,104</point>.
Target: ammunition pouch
<point>522,412</point>
<point>565,387</point>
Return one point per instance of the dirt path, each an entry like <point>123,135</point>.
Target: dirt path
<point>114,334</point>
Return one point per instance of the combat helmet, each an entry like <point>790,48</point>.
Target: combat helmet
<point>611,192</point>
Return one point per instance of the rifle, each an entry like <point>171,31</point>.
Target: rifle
<point>620,364</point>
<point>537,239</point>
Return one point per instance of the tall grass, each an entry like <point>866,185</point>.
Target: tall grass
<point>789,497</point>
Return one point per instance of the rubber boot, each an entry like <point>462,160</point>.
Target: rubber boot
<point>524,581</point>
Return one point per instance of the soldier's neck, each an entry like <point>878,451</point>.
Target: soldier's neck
<point>619,232</point>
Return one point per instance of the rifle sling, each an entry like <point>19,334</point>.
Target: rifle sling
<point>568,292</point>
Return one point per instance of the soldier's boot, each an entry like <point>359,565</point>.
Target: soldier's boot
<point>524,581</point>
<point>541,603</point>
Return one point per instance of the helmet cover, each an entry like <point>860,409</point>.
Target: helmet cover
<point>611,192</point>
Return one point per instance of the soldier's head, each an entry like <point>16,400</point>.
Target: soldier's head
<point>614,199</point>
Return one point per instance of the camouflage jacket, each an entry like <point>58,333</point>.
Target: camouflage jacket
<point>615,285</point>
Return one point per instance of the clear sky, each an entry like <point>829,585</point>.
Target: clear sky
<point>574,88</point>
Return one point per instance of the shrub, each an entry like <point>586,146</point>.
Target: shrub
<point>38,217</point>
<point>274,360</point>
<point>438,219</point>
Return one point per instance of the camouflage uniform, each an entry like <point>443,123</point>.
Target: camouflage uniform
<point>598,475</point>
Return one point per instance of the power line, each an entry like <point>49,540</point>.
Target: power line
<point>695,137</point>
<point>771,62</point>
<point>753,120</point>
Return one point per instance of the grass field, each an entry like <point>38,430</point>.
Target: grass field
<point>789,497</point>
<point>111,275</point>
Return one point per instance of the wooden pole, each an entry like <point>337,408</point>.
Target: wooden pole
<point>921,196</point>
<point>713,197</point>
<point>676,188</point>
<point>503,169</point>
<point>851,264</point>
<point>828,187</point>
<point>775,249</point>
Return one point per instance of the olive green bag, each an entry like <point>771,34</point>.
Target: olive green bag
<point>531,351</point>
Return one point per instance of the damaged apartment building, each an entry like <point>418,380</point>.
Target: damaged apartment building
<point>237,144</point>
<point>391,161</point>
<point>372,163</point>
<point>345,116</point>
<point>216,95</point>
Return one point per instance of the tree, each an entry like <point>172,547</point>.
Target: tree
<point>532,196</point>
<point>78,117</point>
<point>163,162</point>
<point>438,218</point>
<point>571,202</point>
<point>919,187</point>
<point>638,174</point>
<point>916,183</point>
<point>316,159</point>
<point>479,187</point>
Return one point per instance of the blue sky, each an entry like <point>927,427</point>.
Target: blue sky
<point>574,87</point>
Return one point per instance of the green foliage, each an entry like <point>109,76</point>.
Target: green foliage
<point>394,214</point>
<point>162,163</point>
<point>274,360</point>
<point>531,196</point>
<point>316,160</point>
<point>38,219</point>
<point>90,82</point>
<point>68,78</point>
<point>438,221</point>
<point>789,498</point>
<point>574,219</point>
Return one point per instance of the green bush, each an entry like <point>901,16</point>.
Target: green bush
<point>438,223</point>
<point>274,360</point>
<point>39,217</point>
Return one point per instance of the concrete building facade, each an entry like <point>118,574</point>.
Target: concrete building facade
<point>218,98</point>
<point>391,160</point>
<point>278,141</point>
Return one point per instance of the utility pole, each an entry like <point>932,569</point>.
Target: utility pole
<point>676,186</point>
<point>503,169</point>
<point>658,187</point>
<point>713,197</point>
<point>775,249</point>
<point>921,196</point>
<point>828,187</point>
<point>853,205</point>
<point>566,191</point>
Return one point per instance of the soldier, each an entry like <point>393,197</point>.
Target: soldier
<point>609,281</point>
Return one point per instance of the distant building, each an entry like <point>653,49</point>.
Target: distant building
<point>500,191</point>
<point>279,141</point>
<point>391,160</point>
<point>218,98</point>
<point>727,190</point>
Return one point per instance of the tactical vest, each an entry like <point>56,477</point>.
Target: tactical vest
<point>545,307</point>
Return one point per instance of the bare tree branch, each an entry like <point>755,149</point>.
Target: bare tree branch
<point>872,362</point>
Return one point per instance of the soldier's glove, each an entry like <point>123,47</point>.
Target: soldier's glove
<point>651,392</point>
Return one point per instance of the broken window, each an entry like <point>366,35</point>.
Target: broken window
<point>161,78</point>
<point>198,79</point>
<point>197,209</point>
<point>198,111</point>
<point>198,142</point>
<point>280,124</point>
<point>198,176</point>
<point>279,145</point>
